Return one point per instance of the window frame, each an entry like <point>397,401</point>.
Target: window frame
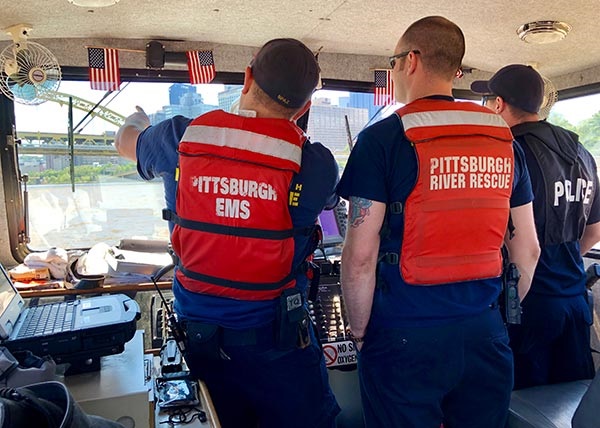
<point>13,189</point>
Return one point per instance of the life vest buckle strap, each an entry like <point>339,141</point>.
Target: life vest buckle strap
<point>222,229</point>
<point>396,208</point>
<point>239,285</point>
<point>390,258</point>
<point>167,214</point>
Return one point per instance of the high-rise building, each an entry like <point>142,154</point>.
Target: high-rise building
<point>363,100</point>
<point>230,95</point>
<point>327,124</point>
<point>177,90</point>
<point>185,101</point>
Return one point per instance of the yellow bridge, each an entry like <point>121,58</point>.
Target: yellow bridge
<point>83,144</point>
<point>48,143</point>
<point>101,112</point>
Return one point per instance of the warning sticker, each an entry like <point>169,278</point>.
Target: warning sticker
<point>339,354</point>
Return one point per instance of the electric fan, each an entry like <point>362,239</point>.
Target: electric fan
<point>550,97</point>
<point>27,69</point>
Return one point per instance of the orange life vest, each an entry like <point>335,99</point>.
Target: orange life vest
<point>456,216</point>
<point>233,231</point>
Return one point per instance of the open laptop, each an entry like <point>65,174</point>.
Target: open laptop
<point>70,331</point>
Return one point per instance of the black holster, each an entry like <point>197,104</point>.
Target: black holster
<point>204,340</point>
<point>292,321</point>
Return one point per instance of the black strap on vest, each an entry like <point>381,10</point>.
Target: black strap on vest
<point>393,208</point>
<point>389,258</point>
<point>239,285</point>
<point>396,208</point>
<point>243,232</point>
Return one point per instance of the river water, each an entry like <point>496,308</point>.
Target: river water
<point>96,212</point>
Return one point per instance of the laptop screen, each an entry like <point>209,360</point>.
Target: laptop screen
<point>331,232</point>
<point>11,304</point>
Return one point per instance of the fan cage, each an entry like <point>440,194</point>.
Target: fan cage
<point>550,98</point>
<point>37,73</point>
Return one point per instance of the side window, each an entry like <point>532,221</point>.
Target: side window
<point>581,115</point>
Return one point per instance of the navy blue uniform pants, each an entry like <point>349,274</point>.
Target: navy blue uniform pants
<point>261,386</point>
<point>552,343</point>
<point>459,374</point>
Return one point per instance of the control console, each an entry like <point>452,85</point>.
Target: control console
<point>328,314</point>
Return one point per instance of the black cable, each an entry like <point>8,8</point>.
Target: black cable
<point>176,330</point>
<point>184,415</point>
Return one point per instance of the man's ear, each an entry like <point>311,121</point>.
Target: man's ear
<point>411,62</point>
<point>301,112</point>
<point>248,79</point>
<point>500,105</point>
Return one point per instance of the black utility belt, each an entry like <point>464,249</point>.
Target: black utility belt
<point>290,330</point>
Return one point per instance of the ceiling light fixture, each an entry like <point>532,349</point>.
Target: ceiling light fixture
<point>93,3</point>
<point>541,32</point>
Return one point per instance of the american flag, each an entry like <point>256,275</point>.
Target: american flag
<point>384,88</point>
<point>201,66</point>
<point>104,69</point>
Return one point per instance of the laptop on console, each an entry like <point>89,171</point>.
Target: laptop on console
<point>79,331</point>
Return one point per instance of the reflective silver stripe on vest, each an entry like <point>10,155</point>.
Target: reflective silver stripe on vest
<point>451,117</point>
<point>243,140</point>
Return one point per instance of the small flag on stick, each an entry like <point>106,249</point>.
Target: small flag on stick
<point>104,69</point>
<point>384,88</point>
<point>201,66</point>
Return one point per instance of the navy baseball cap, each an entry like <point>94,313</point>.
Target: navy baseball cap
<point>287,71</point>
<point>517,84</point>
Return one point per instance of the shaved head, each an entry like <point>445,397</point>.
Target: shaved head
<point>440,42</point>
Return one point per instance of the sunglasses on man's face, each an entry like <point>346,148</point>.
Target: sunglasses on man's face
<point>393,59</point>
<point>487,98</point>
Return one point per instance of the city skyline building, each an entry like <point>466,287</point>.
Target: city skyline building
<point>229,96</point>
<point>327,124</point>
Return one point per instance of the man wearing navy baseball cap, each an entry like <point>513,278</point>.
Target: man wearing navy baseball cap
<point>243,193</point>
<point>518,85</point>
<point>287,71</point>
<point>552,343</point>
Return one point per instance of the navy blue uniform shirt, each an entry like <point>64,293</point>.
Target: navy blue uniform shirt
<point>383,167</point>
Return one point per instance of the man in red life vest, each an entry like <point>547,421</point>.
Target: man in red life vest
<point>250,187</point>
<point>431,189</point>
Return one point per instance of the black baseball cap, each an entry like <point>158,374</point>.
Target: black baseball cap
<point>519,85</point>
<point>287,71</point>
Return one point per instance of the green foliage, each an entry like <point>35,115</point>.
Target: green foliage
<point>560,120</point>
<point>588,129</point>
<point>83,173</point>
<point>589,132</point>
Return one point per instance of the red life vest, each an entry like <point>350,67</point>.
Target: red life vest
<point>456,216</point>
<point>233,231</point>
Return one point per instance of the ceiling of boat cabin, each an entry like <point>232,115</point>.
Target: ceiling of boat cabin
<point>354,36</point>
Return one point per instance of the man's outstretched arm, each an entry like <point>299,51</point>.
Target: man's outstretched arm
<point>127,135</point>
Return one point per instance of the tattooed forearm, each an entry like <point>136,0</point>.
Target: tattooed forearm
<point>359,209</point>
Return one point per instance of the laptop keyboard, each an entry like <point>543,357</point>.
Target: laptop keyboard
<point>47,319</point>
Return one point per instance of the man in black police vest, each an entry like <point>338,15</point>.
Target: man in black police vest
<point>552,344</point>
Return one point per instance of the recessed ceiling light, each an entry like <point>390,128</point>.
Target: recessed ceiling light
<point>93,3</point>
<point>541,32</point>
